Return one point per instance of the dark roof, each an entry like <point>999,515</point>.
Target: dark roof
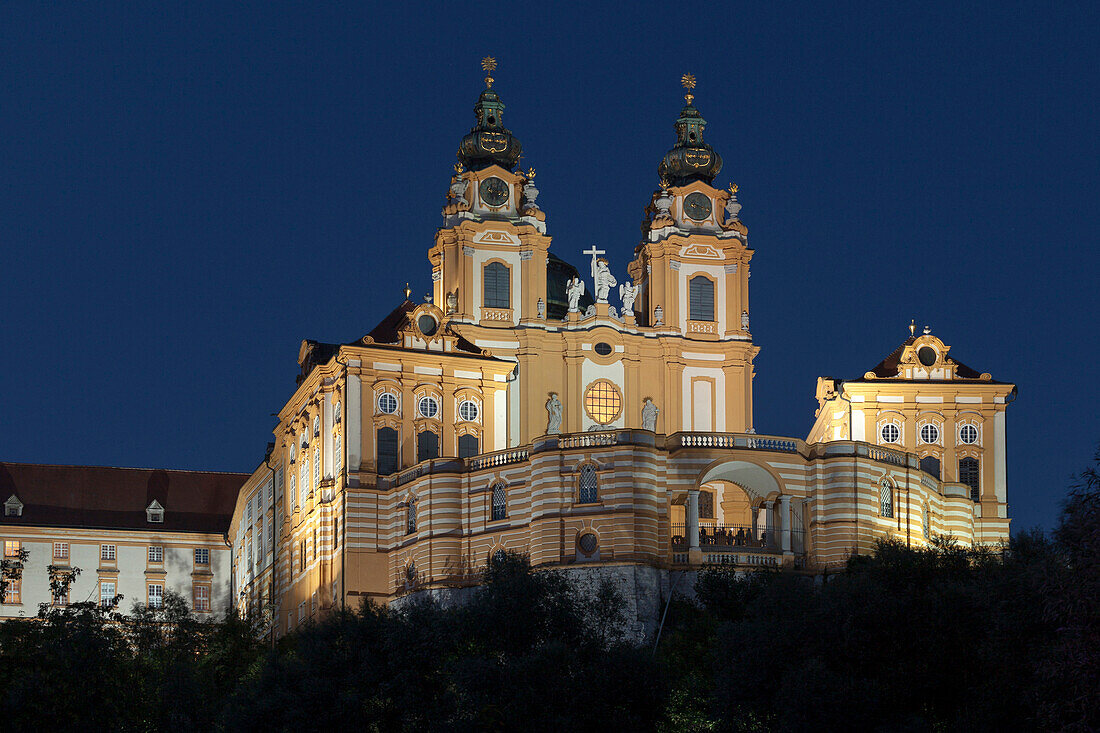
<point>888,367</point>
<point>386,331</point>
<point>116,498</point>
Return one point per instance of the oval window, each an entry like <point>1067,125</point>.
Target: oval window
<point>588,543</point>
<point>467,410</point>
<point>603,348</point>
<point>927,355</point>
<point>427,325</point>
<point>387,403</point>
<point>428,406</point>
<point>968,434</point>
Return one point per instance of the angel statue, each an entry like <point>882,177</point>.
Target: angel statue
<point>574,289</point>
<point>628,293</point>
<point>553,409</point>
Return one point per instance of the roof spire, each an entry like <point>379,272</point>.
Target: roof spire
<point>912,326</point>
<point>489,65</point>
<point>688,82</point>
<point>690,159</point>
<point>408,291</point>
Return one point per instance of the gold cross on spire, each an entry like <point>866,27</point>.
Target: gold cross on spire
<point>489,65</point>
<point>688,82</point>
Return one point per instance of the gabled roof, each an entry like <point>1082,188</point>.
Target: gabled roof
<point>117,498</point>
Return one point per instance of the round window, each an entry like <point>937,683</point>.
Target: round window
<point>427,324</point>
<point>588,543</point>
<point>927,355</point>
<point>968,434</point>
<point>387,403</point>
<point>467,410</point>
<point>428,406</point>
<point>603,349</point>
<point>929,433</point>
<point>603,402</point>
<point>890,433</point>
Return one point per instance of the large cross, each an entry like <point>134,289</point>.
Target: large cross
<point>594,252</point>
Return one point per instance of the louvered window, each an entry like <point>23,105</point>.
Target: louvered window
<point>969,475</point>
<point>930,465</point>
<point>496,286</point>
<point>427,446</point>
<point>387,451</point>
<point>467,446</point>
<point>701,298</point>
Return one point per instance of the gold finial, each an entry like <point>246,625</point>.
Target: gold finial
<point>664,184</point>
<point>459,169</point>
<point>489,65</point>
<point>408,291</point>
<point>530,173</point>
<point>912,327</point>
<point>733,189</point>
<point>688,82</point>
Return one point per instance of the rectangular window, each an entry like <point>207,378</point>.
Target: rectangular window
<point>106,593</point>
<point>467,446</point>
<point>13,591</point>
<point>62,598</point>
<point>156,554</point>
<point>302,555</point>
<point>496,286</point>
<point>701,298</point>
<point>248,511</point>
<point>313,605</point>
<point>969,475</point>
<point>249,553</point>
<point>301,612</point>
<point>316,466</point>
<point>427,446</point>
<point>202,556</point>
<point>107,552</point>
<point>156,595</point>
<point>337,455</point>
<point>387,451</point>
<point>60,550</point>
<point>706,505</point>
<point>11,548</point>
<point>202,597</point>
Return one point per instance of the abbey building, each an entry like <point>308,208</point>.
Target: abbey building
<point>597,417</point>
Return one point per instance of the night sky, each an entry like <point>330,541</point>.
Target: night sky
<point>188,191</point>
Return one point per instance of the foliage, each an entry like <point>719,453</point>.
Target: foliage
<point>945,637</point>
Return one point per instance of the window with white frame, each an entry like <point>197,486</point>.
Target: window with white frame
<point>337,455</point>
<point>889,433</point>
<point>202,555</point>
<point>387,403</point>
<point>496,286</point>
<point>886,499</point>
<point>410,517</point>
<point>336,413</point>
<point>968,434</point>
<point>701,298</point>
<point>971,476</point>
<point>467,410</point>
<point>202,597</point>
<point>107,552</point>
<point>428,406</point>
<point>316,426</point>
<point>154,513</point>
<point>156,595</point>
<point>929,433</point>
<point>60,550</point>
<point>106,593</point>
<point>248,511</point>
<point>316,466</point>
<point>156,554</point>
<point>303,480</point>
<point>293,491</point>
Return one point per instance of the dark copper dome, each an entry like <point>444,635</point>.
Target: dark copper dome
<point>690,159</point>
<point>489,142</point>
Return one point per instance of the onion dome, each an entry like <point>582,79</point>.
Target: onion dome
<point>489,142</point>
<point>690,159</point>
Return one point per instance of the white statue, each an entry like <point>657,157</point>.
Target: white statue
<point>658,316</point>
<point>628,293</point>
<point>649,415</point>
<point>540,309</point>
<point>602,278</point>
<point>574,289</point>
<point>458,186</point>
<point>553,407</point>
<point>744,320</point>
<point>452,303</point>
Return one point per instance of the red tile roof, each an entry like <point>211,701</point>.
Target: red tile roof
<point>116,498</point>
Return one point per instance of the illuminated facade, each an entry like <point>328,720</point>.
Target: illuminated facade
<point>599,421</point>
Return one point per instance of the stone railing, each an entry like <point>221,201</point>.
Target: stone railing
<point>734,440</point>
<point>588,440</point>
<point>885,455</point>
<point>500,458</point>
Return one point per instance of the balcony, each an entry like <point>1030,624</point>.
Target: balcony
<point>740,545</point>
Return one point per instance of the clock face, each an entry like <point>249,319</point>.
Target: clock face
<point>494,191</point>
<point>697,206</point>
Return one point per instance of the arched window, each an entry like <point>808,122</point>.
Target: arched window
<point>337,455</point>
<point>930,465</point>
<point>316,466</point>
<point>427,446</point>
<point>970,475</point>
<point>496,286</point>
<point>293,491</point>
<point>589,485</point>
<point>303,478</point>
<point>701,298</point>
<point>886,499</point>
<point>410,517</point>
<point>926,523</point>
<point>500,502</point>
<point>467,446</point>
<point>387,451</point>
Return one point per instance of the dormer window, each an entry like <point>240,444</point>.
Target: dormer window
<point>154,513</point>
<point>13,507</point>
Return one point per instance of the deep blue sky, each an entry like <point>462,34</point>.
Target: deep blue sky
<point>188,191</point>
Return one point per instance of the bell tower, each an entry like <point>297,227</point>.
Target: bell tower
<point>693,266</point>
<point>490,257</point>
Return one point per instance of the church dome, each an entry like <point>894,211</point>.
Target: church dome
<point>690,159</point>
<point>489,142</point>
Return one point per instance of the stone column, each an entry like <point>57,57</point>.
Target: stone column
<point>785,520</point>
<point>769,523</point>
<point>692,518</point>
